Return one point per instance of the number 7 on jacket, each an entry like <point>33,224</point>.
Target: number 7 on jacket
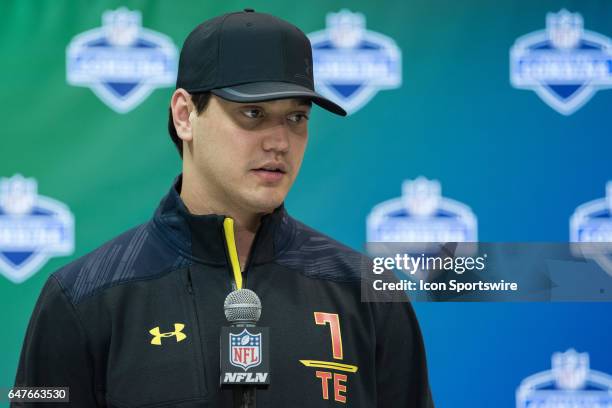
<point>334,326</point>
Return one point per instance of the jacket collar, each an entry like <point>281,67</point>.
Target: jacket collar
<point>201,238</point>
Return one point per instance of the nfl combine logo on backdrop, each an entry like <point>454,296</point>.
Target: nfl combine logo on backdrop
<point>351,64</point>
<point>121,62</point>
<point>33,228</point>
<point>569,384</point>
<point>591,223</point>
<point>421,215</point>
<point>564,64</point>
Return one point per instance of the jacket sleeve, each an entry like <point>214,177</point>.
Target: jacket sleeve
<point>401,365</point>
<point>54,351</point>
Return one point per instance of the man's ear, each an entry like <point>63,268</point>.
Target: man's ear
<point>182,114</point>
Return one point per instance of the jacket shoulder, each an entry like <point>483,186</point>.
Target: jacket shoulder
<point>137,254</point>
<point>319,256</point>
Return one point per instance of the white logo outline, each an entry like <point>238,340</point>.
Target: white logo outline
<point>358,34</point>
<point>77,75</point>
<point>587,88</point>
<point>427,193</point>
<point>585,216</point>
<point>537,385</point>
<point>41,253</point>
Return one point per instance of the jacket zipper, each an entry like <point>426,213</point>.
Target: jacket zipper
<point>234,268</point>
<point>247,266</point>
<point>198,345</point>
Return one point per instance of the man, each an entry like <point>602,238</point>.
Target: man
<point>136,322</point>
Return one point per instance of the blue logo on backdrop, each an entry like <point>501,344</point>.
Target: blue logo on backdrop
<point>569,384</point>
<point>351,64</point>
<point>564,64</point>
<point>33,228</point>
<point>121,62</point>
<point>421,215</point>
<point>592,223</point>
<point>245,349</point>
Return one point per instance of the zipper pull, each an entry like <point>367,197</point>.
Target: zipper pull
<point>189,284</point>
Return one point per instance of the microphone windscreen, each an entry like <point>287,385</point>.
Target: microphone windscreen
<point>242,305</point>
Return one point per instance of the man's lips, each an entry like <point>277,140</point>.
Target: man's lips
<point>269,176</point>
<point>273,166</point>
<point>271,172</point>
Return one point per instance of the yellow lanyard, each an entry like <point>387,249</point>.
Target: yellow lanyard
<point>228,230</point>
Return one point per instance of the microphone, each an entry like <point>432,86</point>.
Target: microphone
<point>244,347</point>
<point>242,308</point>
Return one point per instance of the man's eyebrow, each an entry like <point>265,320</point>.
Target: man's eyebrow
<point>306,102</point>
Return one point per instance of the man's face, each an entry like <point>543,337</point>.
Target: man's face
<point>247,155</point>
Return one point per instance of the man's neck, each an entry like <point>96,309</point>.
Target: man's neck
<point>245,223</point>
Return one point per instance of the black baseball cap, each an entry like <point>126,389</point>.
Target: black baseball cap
<point>250,57</point>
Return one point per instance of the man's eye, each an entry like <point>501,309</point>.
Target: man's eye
<point>298,117</point>
<point>253,113</point>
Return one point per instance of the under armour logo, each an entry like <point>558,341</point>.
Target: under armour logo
<point>178,332</point>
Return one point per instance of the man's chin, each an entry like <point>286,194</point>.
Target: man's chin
<point>264,205</point>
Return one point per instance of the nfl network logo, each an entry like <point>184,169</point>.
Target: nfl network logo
<point>121,62</point>
<point>565,65</point>
<point>351,64</point>
<point>245,350</point>
<point>569,384</point>
<point>592,223</point>
<point>33,228</point>
<point>421,214</point>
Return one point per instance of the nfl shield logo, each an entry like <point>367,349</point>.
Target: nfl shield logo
<point>351,64</point>
<point>422,215</point>
<point>121,62</point>
<point>570,369</point>
<point>33,228</point>
<point>591,230</point>
<point>245,349</point>
<point>570,383</point>
<point>565,65</point>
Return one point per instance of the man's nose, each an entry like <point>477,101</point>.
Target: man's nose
<point>277,139</point>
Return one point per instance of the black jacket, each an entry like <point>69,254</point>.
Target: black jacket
<point>91,326</point>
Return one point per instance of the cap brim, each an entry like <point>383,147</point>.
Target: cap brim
<point>267,91</point>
